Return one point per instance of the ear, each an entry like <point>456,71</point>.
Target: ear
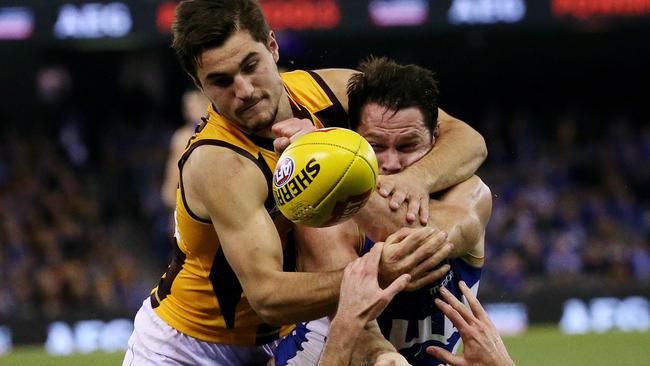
<point>273,46</point>
<point>436,133</point>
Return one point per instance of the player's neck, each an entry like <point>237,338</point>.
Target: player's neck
<point>284,107</point>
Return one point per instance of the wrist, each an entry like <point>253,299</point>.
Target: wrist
<point>347,324</point>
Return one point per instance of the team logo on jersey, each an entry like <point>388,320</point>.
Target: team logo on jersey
<point>283,172</point>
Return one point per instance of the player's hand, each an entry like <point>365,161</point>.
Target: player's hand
<point>391,359</point>
<point>404,187</point>
<point>288,131</point>
<point>482,344</point>
<point>416,252</point>
<point>361,297</point>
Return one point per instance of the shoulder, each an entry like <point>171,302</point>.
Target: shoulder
<point>337,80</point>
<point>220,166</point>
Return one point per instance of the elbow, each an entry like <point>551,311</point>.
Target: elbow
<point>271,317</point>
<point>263,305</point>
<point>481,148</point>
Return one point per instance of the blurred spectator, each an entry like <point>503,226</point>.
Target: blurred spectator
<point>81,211</point>
<point>195,106</point>
<point>567,203</point>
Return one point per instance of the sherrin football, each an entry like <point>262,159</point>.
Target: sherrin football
<point>324,177</point>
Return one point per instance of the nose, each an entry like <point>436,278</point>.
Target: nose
<point>389,162</point>
<point>243,87</point>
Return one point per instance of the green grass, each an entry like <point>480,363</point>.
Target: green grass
<point>540,346</point>
<point>36,356</point>
<point>547,346</point>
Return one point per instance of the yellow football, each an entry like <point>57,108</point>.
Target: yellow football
<point>324,177</point>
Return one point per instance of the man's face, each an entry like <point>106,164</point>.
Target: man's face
<point>398,139</point>
<point>241,79</point>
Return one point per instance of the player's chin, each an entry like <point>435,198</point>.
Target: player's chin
<point>261,122</point>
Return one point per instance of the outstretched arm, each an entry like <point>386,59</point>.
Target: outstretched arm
<point>462,211</point>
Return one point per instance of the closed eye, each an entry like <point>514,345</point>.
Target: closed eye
<point>221,81</point>
<point>407,147</point>
<point>250,67</point>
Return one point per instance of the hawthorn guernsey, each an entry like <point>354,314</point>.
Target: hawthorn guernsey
<point>324,177</point>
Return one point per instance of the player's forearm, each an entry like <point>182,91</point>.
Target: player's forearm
<point>291,297</point>
<point>458,152</point>
<point>341,339</point>
<point>378,221</point>
<point>369,345</point>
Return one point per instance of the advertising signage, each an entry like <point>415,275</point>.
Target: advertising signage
<point>149,22</point>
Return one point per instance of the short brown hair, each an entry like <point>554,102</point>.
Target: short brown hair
<point>394,86</point>
<point>205,24</point>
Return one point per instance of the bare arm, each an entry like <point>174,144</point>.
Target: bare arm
<point>459,151</point>
<point>362,300</point>
<point>324,249</point>
<point>463,212</point>
<point>233,197</point>
<point>371,348</point>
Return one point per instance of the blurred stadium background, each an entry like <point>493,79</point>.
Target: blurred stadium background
<point>91,96</point>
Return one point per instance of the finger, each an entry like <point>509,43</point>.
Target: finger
<point>397,199</point>
<point>412,242</point>
<point>398,236</point>
<point>457,305</point>
<point>424,210</point>
<point>446,356</point>
<point>432,261</point>
<point>453,315</point>
<point>296,135</point>
<point>423,246</point>
<point>428,278</point>
<point>283,128</point>
<point>397,286</point>
<point>280,144</point>
<point>374,256</point>
<point>474,304</point>
<point>385,187</point>
<point>413,210</point>
<point>287,127</point>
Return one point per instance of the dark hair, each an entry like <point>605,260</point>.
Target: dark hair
<point>394,86</point>
<point>205,24</point>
